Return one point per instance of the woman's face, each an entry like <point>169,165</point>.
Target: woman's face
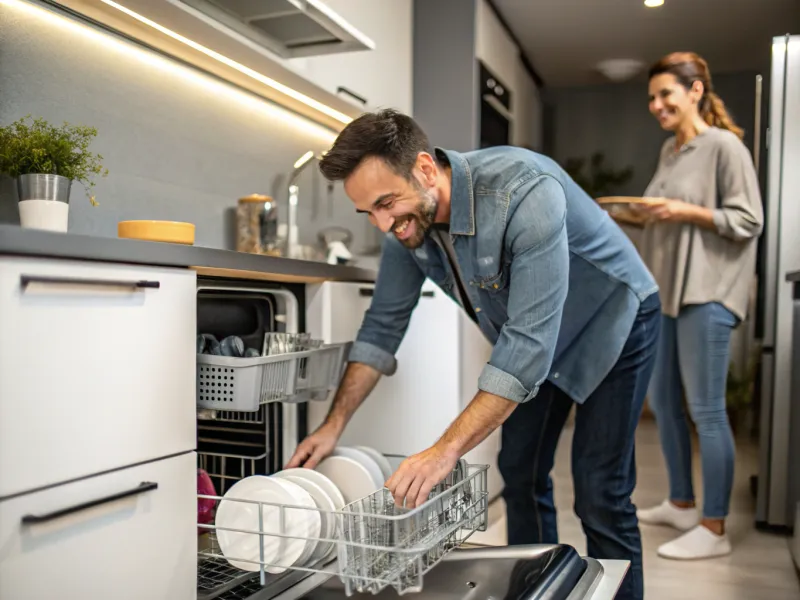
<point>671,103</point>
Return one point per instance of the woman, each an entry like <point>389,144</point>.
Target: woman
<point>700,244</point>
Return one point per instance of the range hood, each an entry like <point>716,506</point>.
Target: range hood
<point>289,28</point>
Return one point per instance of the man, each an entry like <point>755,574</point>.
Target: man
<point>553,283</point>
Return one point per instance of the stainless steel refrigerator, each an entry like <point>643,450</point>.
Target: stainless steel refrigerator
<point>778,490</point>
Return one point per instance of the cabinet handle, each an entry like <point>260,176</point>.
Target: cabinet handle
<point>145,486</point>
<point>26,280</point>
<point>369,292</point>
<point>352,94</point>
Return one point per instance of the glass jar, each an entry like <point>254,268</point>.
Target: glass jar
<point>257,225</point>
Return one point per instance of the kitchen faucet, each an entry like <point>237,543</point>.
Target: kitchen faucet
<point>292,231</point>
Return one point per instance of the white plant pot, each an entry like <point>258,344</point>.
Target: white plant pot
<point>44,201</point>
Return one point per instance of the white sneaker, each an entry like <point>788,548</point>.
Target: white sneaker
<point>666,513</point>
<point>696,544</point>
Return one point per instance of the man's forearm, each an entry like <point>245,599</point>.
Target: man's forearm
<point>485,413</point>
<point>358,381</point>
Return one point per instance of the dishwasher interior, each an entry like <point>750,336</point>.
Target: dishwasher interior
<point>377,545</point>
<point>235,444</point>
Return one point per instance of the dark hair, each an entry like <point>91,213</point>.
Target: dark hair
<point>387,134</point>
<point>688,67</point>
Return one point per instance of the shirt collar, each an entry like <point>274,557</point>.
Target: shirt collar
<point>462,201</point>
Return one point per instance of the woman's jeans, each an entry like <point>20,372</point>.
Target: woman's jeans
<point>693,350</point>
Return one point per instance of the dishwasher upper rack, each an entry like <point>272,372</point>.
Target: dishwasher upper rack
<point>377,543</point>
<point>244,384</point>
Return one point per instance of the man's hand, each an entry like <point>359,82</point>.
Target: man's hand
<point>315,447</point>
<point>413,481</point>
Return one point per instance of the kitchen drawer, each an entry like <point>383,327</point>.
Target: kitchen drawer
<point>141,545</point>
<point>93,376</point>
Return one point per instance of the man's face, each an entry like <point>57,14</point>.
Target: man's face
<point>406,208</point>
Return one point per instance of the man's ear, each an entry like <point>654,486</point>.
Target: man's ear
<point>428,168</point>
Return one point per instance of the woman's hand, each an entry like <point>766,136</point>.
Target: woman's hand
<point>669,211</point>
<point>676,211</point>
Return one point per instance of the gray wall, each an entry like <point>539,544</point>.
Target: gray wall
<point>179,145</point>
<point>614,119</point>
<point>445,72</point>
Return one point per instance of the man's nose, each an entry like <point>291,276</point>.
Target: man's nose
<point>383,221</point>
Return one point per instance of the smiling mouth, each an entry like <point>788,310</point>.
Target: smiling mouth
<point>402,230</point>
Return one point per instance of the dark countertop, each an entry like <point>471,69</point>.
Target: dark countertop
<point>17,241</point>
<point>793,276</point>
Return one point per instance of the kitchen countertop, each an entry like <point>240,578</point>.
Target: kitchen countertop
<point>793,276</point>
<point>212,262</point>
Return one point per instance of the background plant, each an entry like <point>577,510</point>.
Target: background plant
<point>34,146</point>
<point>600,180</point>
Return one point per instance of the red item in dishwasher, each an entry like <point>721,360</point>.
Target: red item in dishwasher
<point>205,506</point>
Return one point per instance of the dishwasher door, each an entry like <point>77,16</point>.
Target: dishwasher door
<point>538,572</point>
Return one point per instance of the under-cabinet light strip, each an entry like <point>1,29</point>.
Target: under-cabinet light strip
<point>276,85</point>
<point>155,60</point>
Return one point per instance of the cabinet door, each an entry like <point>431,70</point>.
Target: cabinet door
<point>125,535</point>
<point>97,368</point>
<point>382,76</point>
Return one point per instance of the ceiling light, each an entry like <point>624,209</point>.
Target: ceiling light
<point>653,3</point>
<point>619,69</point>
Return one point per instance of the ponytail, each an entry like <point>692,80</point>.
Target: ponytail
<point>714,113</point>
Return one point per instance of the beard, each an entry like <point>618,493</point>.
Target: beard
<point>421,219</point>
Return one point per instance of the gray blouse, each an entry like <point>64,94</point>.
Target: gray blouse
<point>692,264</point>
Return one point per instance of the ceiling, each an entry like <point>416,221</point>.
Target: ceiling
<point>564,39</point>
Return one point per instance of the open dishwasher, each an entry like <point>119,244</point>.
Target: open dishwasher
<point>251,414</point>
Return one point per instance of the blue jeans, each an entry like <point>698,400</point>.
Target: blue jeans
<point>603,459</point>
<point>694,351</point>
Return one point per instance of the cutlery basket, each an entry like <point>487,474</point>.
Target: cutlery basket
<point>243,384</point>
<point>377,544</point>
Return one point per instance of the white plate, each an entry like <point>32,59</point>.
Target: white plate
<point>380,459</point>
<point>363,459</point>
<point>328,521</point>
<point>243,515</point>
<point>303,523</point>
<point>351,477</point>
<point>328,486</point>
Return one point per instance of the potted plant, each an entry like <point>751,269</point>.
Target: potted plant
<point>45,160</point>
<point>601,180</point>
<point>739,391</point>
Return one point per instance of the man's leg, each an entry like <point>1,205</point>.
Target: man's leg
<point>603,457</point>
<point>529,441</point>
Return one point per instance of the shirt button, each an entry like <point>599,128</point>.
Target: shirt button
<point>556,375</point>
<point>495,286</point>
<point>477,309</point>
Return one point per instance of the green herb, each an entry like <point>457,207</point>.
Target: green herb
<point>34,146</point>
<point>601,180</point>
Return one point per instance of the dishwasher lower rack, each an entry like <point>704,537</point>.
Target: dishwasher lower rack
<point>244,384</point>
<point>377,544</point>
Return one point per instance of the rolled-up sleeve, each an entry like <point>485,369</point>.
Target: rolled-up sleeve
<point>536,241</point>
<point>740,215</point>
<point>396,294</point>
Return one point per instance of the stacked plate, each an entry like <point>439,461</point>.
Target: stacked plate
<point>296,507</point>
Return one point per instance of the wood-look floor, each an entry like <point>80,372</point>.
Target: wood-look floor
<point>760,567</point>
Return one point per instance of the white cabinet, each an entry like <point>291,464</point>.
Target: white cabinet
<point>126,535</point>
<point>97,368</point>
<point>382,76</point>
<point>438,364</point>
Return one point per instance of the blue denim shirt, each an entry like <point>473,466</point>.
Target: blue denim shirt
<point>554,282</point>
